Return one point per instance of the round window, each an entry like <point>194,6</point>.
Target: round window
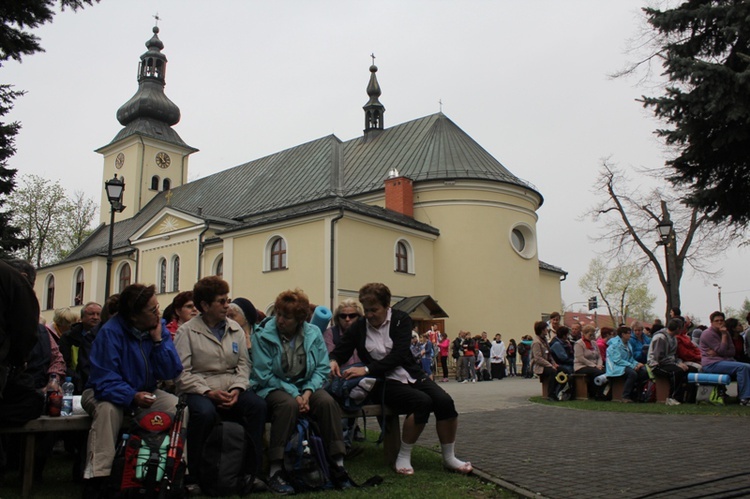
<point>523,240</point>
<point>519,242</point>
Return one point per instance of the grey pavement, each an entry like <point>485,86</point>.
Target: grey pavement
<point>550,451</point>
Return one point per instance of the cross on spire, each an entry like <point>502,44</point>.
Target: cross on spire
<point>441,105</point>
<point>157,18</point>
<point>373,57</point>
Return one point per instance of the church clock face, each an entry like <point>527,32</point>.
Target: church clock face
<point>163,160</point>
<point>119,161</point>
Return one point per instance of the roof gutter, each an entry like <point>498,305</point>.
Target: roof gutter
<point>333,253</point>
<point>201,248</point>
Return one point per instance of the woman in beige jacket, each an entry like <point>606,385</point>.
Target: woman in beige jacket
<point>542,362</point>
<point>588,361</point>
<point>216,374</point>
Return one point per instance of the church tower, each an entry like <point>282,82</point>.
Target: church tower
<point>147,153</point>
<point>374,110</point>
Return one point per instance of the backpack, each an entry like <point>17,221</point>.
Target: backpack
<point>710,394</point>
<point>351,393</point>
<point>648,393</point>
<point>523,348</point>
<point>148,462</point>
<point>305,460</point>
<point>227,455</point>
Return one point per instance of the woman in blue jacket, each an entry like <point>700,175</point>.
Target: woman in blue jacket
<point>290,367</point>
<point>621,362</point>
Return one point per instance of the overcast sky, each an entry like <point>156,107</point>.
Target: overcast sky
<point>528,80</point>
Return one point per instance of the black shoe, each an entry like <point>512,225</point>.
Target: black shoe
<point>279,485</point>
<point>341,479</point>
<point>96,488</point>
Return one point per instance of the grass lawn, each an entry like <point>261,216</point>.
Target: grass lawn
<point>731,409</point>
<point>429,480</point>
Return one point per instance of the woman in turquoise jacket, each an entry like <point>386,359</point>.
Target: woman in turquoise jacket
<point>290,366</point>
<point>621,362</point>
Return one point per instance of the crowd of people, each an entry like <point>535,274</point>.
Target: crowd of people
<point>637,353</point>
<point>230,363</point>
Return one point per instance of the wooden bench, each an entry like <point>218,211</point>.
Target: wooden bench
<point>579,384</point>
<point>42,424</point>
<point>392,437</point>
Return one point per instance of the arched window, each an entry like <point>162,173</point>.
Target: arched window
<point>78,296</point>
<point>402,257</point>
<point>278,254</point>
<point>155,183</point>
<point>176,273</point>
<point>50,302</point>
<point>162,275</point>
<point>124,277</point>
<point>219,271</point>
<point>166,184</point>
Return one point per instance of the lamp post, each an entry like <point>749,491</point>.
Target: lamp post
<point>114,188</point>
<point>665,229</point>
<point>719,288</point>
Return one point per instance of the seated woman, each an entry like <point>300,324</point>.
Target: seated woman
<point>216,374</point>
<point>542,362</point>
<point>182,310</point>
<point>562,350</point>
<point>382,343</point>
<point>621,362</point>
<point>588,361</point>
<point>242,311</point>
<point>290,367</point>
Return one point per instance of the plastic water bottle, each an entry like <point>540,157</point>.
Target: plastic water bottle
<point>67,401</point>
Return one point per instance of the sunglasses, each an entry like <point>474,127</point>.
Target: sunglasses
<point>348,316</point>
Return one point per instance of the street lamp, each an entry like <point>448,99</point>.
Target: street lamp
<point>665,234</point>
<point>719,288</point>
<point>114,189</point>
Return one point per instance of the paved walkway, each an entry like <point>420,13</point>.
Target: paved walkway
<point>553,452</point>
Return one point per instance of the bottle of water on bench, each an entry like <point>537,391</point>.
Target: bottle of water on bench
<point>67,401</point>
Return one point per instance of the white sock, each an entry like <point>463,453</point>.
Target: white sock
<point>273,468</point>
<point>403,461</point>
<point>449,457</point>
<point>339,460</point>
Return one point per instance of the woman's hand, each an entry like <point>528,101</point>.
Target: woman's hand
<point>335,370</point>
<point>220,397</point>
<point>234,394</point>
<point>144,399</point>
<point>304,402</point>
<point>355,372</point>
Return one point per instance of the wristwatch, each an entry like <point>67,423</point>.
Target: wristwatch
<point>367,370</point>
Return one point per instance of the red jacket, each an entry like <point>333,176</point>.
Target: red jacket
<point>687,351</point>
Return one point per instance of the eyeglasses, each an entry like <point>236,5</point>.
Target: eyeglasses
<point>348,316</point>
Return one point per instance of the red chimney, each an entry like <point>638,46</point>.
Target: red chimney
<point>399,195</point>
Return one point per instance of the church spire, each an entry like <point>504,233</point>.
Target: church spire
<point>374,110</point>
<point>150,101</point>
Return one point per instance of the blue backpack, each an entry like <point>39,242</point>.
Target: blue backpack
<point>305,459</point>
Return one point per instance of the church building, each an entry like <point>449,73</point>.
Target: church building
<point>419,206</point>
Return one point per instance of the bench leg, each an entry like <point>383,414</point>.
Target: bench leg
<point>28,464</point>
<point>391,440</point>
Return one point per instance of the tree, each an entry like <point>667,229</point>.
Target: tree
<point>53,223</point>
<point>630,219</point>
<point>15,42</point>
<point>10,236</point>
<point>704,46</point>
<point>623,289</point>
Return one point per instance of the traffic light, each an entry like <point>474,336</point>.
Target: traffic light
<point>593,304</point>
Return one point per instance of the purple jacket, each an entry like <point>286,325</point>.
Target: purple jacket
<point>711,340</point>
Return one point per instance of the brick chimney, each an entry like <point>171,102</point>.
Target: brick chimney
<point>399,194</point>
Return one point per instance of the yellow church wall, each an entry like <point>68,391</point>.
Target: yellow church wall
<point>94,272</point>
<point>550,298</point>
<point>366,253</point>
<point>307,262</point>
<point>486,285</point>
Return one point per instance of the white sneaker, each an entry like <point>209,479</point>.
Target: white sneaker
<point>473,381</point>
<point>465,381</point>
<point>672,402</point>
